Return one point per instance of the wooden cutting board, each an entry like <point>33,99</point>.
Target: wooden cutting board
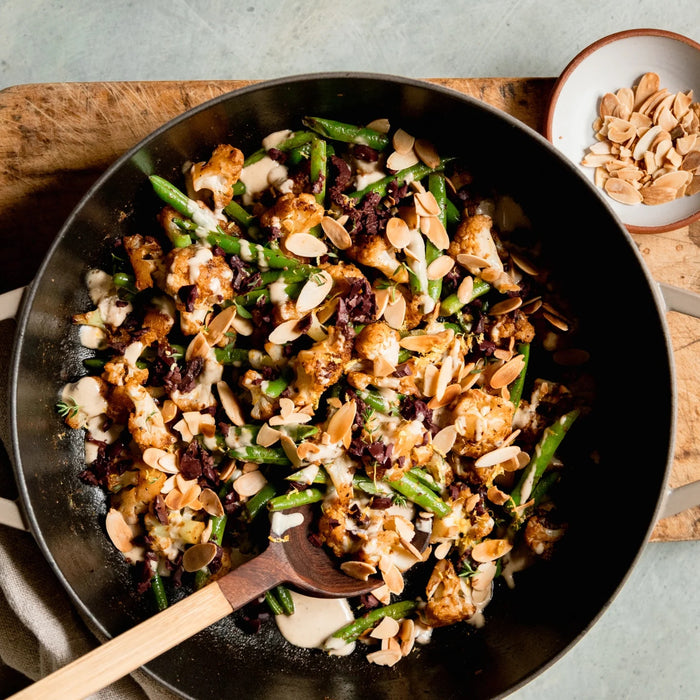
<point>57,138</point>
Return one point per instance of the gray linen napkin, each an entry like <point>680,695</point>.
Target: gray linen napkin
<point>40,630</point>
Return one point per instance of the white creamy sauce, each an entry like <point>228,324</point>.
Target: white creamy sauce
<point>85,394</point>
<point>314,620</point>
<point>526,489</point>
<point>278,292</point>
<point>203,217</point>
<point>515,561</point>
<point>281,522</point>
<point>93,337</point>
<point>133,352</point>
<point>276,138</point>
<point>201,256</point>
<point>103,294</point>
<point>258,176</point>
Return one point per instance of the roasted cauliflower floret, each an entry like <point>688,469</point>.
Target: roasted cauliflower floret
<point>204,278</point>
<point>378,341</point>
<point>219,174</point>
<point>146,423</point>
<point>146,257</point>
<point>293,214</point>
<point>507,326</point>
<point>341,273</point>
<point>333,528</point>
<point>482,422</point>
<point>263,407</point>
<point>449,597</point>
<point>542,532</point>
<point>374,251</point>
<point>319,367</point>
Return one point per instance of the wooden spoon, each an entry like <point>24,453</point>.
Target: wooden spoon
<point>289,558</point>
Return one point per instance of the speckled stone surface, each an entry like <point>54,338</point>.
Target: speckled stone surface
<point>647,643</point>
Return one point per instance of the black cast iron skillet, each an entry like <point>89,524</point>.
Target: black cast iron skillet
<point>612,500</point>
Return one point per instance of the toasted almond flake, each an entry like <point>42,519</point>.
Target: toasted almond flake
<point>306,450</point>
<point>242,326</point>
<point>440,267</point>
<point>473,263</point>
<point>168,410</point>
<point>285,332</point>
<point>151,455</point>
<point>382,125</point>
<point>267,436</point>
<point>531,305</point>
<point>648,85</point>
<point>118,530</point>
<point>198,556</point>
<point>382,298</point>
<point>430,376</point>
<point>382,367</point>
<point>442,550</point>
<point>400,525</point>
<point>336,233</point>
<point>358,569</point>
<point>494,457</point>
<point>305,245</point>
<point>198,347</point>
<point>556,321</point>
<point>485,573</point>
<point>407,636</point>
<point>391,575</point>
<point>227,472</point>
<point>595,160</point>
<point>249,484</point>
<point>230,404</point>
<point>174,499</point>
<point>681,104</point>
<point>503,354</point>
<point>387,628</point>
<point>608,104</point>
<point>465,290</point>
<point>444,440</point>
<point>495,495</point>
<point>435,231</point>
<point>426,342</point>
<point>190,497</point>
<point>397,232</point>
<point>217,327</point>
<point>400,161</point>
<point>490,550</point>
<point>427,153</point>
<point>691,161</point>
<point>450,394</point>
<point>395,312</point>
<point>167,463</point>
<point>444,378</point>
<point>507,373</point>
<point>403,141</point>
<point>249,467</point>
<point>656,194</point>
<point>290,449</point>
<point>314,291</point>
<point>206,533</point>
<point>622,191</point>
<point>506,306</point>
<point>382,594</point>
<point>384,657</point>
<point>426,204</point>
<point>341,421</point>
<point>211,503</point>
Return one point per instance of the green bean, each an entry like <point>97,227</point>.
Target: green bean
<point>159,594</point>
<point>548,480</point>
<point>451,305</point>
<point>321,477</point>
<point>298,154</point>
<point>259,455</point>
<point>274,387</point>
<point>377,402</point>
<point>230,355</point>
<point>348,133</point>
<point>317,169</point>
<point>542,456</point>
<point>452,214</point>
<point>516,391</point>
<point>350,632</point>
<point>254,252</point>
<point>424,478</point>
<point>273,603</point>
<point>234,210</point>
<point>297,139</point>
<point>293,499</point>
<point>436,185</point>
<point>256,503</point>
<point>412,174</point>
<point>124,280</point>
<point>239,188</point>
<point>369,486</point>
<point>284,596</point>
<point>419,494</point>
<point>175,233</point>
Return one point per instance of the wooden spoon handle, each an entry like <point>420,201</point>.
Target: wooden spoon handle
<point>137,646</point>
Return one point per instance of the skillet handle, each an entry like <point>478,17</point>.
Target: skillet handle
<point>10,512</point>
<point>679,499</point>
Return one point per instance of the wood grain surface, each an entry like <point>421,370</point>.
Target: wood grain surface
<point>57,138</point>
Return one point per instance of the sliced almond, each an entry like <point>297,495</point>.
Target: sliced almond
<point>444,440</point>
<point>473,263</point>
<point>151,455</point>
<point>426,342</point>
<point>507,373</point>
<point>444,378</point>
<point>382,125</point>
<point>387,628</point>
<point>341,421</point>
<point>336,233</point>
<point>465,291</point>
<point>648,85</point>
<point>198,347</point>
<point>305,245</point>
<point>622,191</point>
<point>494,457</point>
<point>407,636</point>
<point>440,267</point>
<point>392,575</point>
<point>211,503</point>
<point>403,141</point>
<point>358,569</point>
<point>267,436</point>
<point>384,657</point>
<point>400,161</point>
<point>198,556</point>
<point>119,531</point>
<point>290,449</point>
<point>314,291</point>
<point>382,298</point>
<point>426,204</point>
<point>656,194</point>
<point>230,403</point>
<point>395,312</point>
<point>427,153</point>
<point>219,325</point>
<point>249,484</point>
<point>168,463</point>
<point>435,231</point>
<point>489,550</point>
<point>397,232</point>
<point>285,332</point>
<point>450,394</point>
<point>168,410</point>
<point>506,306</point>
<point>495,495</point>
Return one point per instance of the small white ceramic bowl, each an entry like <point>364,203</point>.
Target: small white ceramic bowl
<point>613,62</point>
